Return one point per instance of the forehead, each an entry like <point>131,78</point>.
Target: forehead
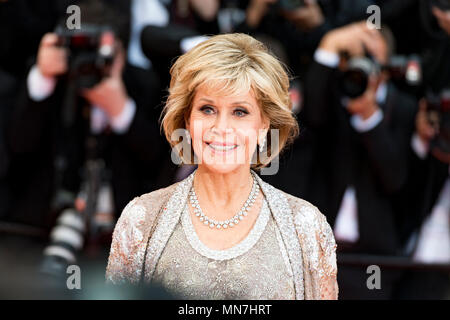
<point>215,92</point>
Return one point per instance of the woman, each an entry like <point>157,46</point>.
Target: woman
<point>223,233</point>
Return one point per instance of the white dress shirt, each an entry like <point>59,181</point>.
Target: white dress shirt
<point>433,245</point>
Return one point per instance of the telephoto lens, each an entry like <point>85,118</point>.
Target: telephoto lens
<point>66,239</point>
<point>356,78</point>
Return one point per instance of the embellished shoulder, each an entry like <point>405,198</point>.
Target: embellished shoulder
<point>319,249</point>
<point>131,233</point>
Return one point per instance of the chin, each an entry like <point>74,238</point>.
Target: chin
<point>221,168</point>
<point>223,158</point>
<point>223,163</point>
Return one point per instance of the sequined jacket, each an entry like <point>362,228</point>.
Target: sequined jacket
<point>147,222</point>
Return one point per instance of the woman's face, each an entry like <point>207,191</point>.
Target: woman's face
<point>225,130</point>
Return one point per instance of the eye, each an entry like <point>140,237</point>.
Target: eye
<point>240,112</point>
<point>206,109</point>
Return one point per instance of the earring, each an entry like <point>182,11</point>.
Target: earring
<point>261,145</point>
<point>188,137</point>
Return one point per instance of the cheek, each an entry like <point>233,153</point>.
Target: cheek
<point>198,126</point>
<point>248,133</point>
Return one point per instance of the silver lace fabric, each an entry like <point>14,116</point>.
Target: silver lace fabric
<point>257,268</point>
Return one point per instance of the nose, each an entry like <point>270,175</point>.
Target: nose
<point>222,123</point>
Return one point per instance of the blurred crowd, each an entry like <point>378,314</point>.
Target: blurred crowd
<point>80,134</point>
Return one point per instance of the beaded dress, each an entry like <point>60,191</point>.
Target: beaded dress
<point>255,268</point>
<point>290,252</point>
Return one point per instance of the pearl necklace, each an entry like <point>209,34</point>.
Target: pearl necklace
<point>229,222</point>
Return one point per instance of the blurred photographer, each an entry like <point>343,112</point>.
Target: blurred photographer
<point>429,210</point>
<point>428,36</point>
<point>363,124</point>
<point>81,101</point>
<point>28,21</point>
<point>299,25</point>
<point>428,182</point>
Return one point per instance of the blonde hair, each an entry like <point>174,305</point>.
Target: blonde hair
<point>232,63</point>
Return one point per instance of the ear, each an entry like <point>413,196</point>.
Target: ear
<point>263,131</point>
<point>266,125</point>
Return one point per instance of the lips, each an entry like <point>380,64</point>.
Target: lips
<point>221,147</point>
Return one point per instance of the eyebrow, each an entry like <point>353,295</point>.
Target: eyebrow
<point>234,103</point>
<point>207,100</point>
<point>242,102</point>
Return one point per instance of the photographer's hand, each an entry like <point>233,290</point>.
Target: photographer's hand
<point>51,59</point>
<point>306,18</point>
<point>256,10</point>
<point>425,132</point>
<point>424,129</point>
<point>110,94</point>
<point>443,19</point>
<point>207,10</point>
<point>51,62</point>
<point>355,39</point>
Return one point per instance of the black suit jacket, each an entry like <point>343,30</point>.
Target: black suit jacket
<point>415,202</point>
<point>374,162</point>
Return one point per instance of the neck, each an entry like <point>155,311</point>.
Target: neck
<point>219,191</point>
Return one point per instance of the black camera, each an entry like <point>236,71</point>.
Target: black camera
<point>438,114</point>
<point>291,4</point>
<point>355,78</point>
<point>91,52</point>
<point>405,69</point>
<point>401,69</point>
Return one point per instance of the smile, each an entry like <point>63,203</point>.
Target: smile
<point>222,147</point>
